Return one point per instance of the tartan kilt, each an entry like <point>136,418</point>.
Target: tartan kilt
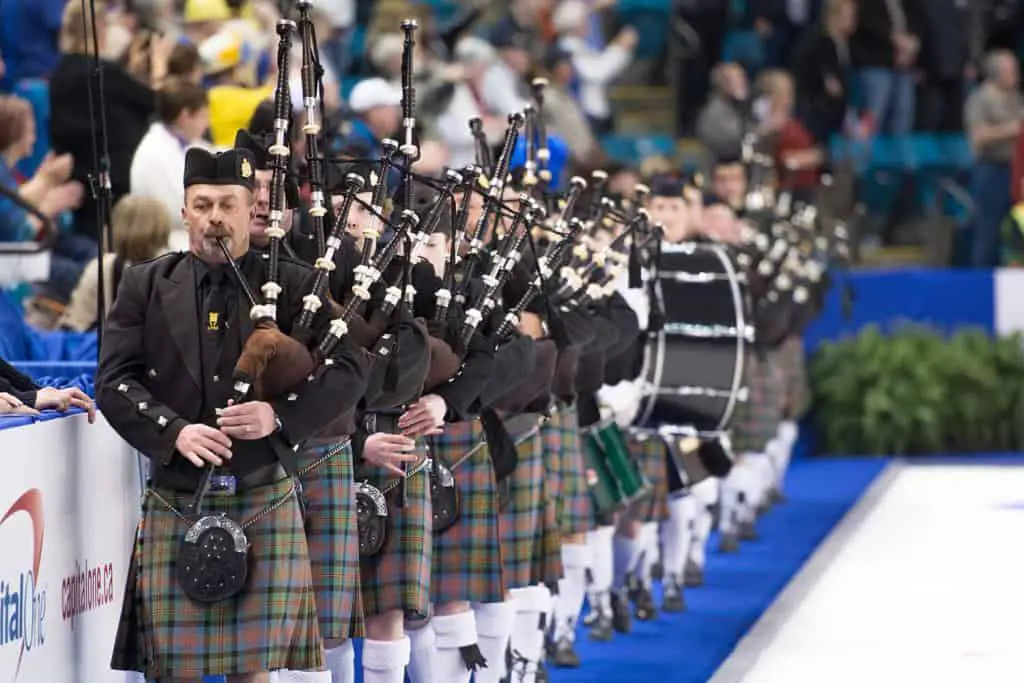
<point>271,624</point>
<point>794,368</point>
<point>652,457</point>
<point>756,420</point>
<point>398,577</point>
<point>520,521</point>
<point>547,549</point>
<point>565,473</point>
<point>467,556</point>
<point>333,537</point>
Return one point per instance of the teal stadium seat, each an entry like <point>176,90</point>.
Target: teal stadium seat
<point>630,148</point>
<point>37,93</point>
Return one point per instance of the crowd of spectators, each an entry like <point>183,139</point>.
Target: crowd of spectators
<point>792,73</point>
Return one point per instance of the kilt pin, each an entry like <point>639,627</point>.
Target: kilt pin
<point>566,480</point>
<point>333,537</point>
<point>271,624</point>
<point>652,456</point>
<point>756,420</point>
<point>467,556</point>
<point>398,577</point>
<point>520,522</point>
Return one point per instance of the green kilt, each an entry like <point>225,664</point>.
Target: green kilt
<point>333,537</point>
<point>521,520</point>
<point>756,420</point>
<point>271,624</point>
<point>652,456</point>
<point>565,472</point>
<point>794,369</point>
<point>467,556</point>
<point>398,577</point>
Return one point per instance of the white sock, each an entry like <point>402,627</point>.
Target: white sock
<point>602,566</point>
<point>703,520</point>
<point>626,550</point>
<point>384,661</point>
<point>341,662</point>
<point>761,481</point>
<point>528,631</point>
<point>571,588</point>
<point>648,552</point>
<point>493,630</point>
<point>288,676</point>
<point>678,532</point>
<point>422,643</point>
<point>731,496</point>
<point>453,632</point>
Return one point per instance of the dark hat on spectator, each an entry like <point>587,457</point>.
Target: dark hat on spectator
<point>258,145</point>
<point>423,202</point>
<point>555,55</point>
<point>508,35</point>
<point>667,185</point>
<point>232,167</point>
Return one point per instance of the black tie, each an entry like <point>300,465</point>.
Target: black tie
<point>214,322</point>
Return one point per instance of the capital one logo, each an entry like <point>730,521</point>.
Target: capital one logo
<point>22,603</point>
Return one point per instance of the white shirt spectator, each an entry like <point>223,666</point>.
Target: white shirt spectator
<point>596,71</point>
<point>500,90</point>
<point>157,169</point>
<point>453,128</point>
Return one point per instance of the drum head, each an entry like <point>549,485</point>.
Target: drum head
<point>693,366</point>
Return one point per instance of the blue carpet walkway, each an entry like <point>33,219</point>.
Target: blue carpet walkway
<point>689,647</point>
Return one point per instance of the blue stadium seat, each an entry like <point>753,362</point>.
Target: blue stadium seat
<point>631,148</point>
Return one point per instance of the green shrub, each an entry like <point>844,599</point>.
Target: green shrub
<point>916,391</point>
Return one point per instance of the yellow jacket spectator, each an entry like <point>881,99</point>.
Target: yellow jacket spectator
<point>232,100</point>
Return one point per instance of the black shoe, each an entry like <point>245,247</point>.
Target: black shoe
<point>672,598</point>
<point>621,620</point>
<point>694,577</point>
<point>729,543</point>
<point>657,571</point>
<point>602,630</point>
<point>564,656</point>
<point>643,604</point>
<point>748,532</point>
<point>776,496</point>
<point>542,673</point>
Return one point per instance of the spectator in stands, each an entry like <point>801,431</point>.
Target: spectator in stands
<point>335,45</point>
<point>564,116</point>
<point>525,17</point>
<point>184,63</point>
<point>29,31</point>
<point>203,19</point>
<point>992,116</point>
<point>129,102</point>
<point>595,70</point>
<point>729,183</point>
<point>475,57</point>
<point>183,116</point>
<point>377,106</point>
<point>945,56</point>
<point>232,100</point>
<point>505,86</point>
<point>141,228</point>
<point>725,118</point>
<point>21,395</point>
<point>885,49</point>
<point>798,158</point>
<point>823,71</point>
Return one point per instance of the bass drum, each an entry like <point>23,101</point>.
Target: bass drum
<point>694,364</point>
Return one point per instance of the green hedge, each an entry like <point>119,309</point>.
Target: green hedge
<point>916,391</point>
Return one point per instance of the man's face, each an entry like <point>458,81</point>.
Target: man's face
<point>195,123</point>
<point>384,120</point>
<point>729,183</point>
<point>435,251</point>
<point>673,215</point>
<point>517,59</point>
<point>218,211</point>
<point>261,211</point>
<point>720,224</point>
<point>359,216</point>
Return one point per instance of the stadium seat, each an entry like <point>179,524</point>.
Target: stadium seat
<point>37,93</point>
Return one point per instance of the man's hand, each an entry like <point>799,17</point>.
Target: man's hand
<point>203,444</point>
<point>12,405</point>
<point>62,399</point>
<point>248,421</point>
<point>389,451</point>
<point>425,417</point>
